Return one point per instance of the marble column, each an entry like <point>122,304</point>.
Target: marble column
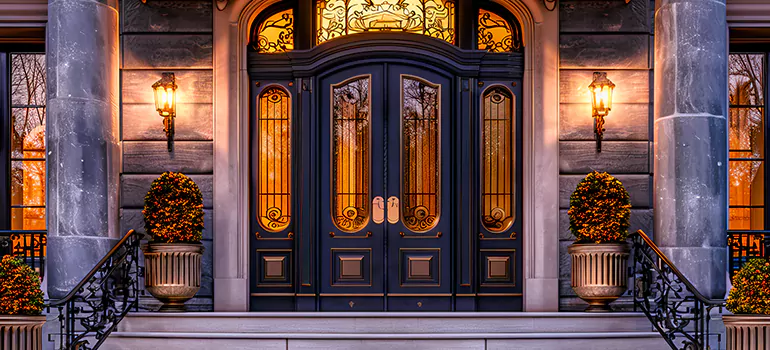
<point>82,138</point>
<point>690,163</point>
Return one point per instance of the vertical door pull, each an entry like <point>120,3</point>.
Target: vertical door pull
<point>393,209</point>
<point>378,210</point>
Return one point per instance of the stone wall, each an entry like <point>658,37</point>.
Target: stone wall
<point>611,36</point>
<point>156,37</point>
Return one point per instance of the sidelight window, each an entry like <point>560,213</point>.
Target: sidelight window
<point>274,190</point>
<point>497,177</point>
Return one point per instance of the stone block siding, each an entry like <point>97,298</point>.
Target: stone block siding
<point>615,37</point>
<point>156,37</point>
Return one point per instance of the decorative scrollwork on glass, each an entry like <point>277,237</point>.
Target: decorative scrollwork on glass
<point>434,18</point>
<point>274,188</point>
<point>495,34</point>
<point>350,153</point>
<point>497,157</point>
<point>420,156</point>
<point>93,309</point>
<point>276,33</point>
<point>674,306</point>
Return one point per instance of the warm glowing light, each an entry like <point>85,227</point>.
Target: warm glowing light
<point>165,91</point>
<point>601,91</point>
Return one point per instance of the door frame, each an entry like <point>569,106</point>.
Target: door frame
<point>540,152</point>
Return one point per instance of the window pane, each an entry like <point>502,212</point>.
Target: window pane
<point>747,133</point>
<point>747,183</point>
<point>28,183</point>
<point>434,18</point>
<point>747,219</point>
<point>350,154</point>
<point>28,132</point>
<point>28,79</point>
<point>274,159</point>
<point>276,34</point>
<point>497,211</point>
<point>495,34</point>
<point>747,79</point>
<point>28,219</point>
<point>420,154</point>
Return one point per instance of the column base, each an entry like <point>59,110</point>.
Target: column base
<point>70,258</point>
<point>704,267</point>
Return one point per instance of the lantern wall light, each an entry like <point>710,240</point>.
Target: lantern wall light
<point>601,104</point>
<point>165,104</point>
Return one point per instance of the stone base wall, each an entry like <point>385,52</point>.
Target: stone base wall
<point>617,38</point>
<point>167,36</point>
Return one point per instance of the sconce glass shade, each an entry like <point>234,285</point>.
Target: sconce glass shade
<point>601,91</point>
<point>165,95</point>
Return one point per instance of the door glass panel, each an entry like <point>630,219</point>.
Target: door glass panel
<point>274,209</point>
<point>497,212</point>
<point>420,112</point>
<point>350,154</point>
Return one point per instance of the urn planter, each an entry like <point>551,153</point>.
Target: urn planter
<point>747,332</point>
<point>21,332</point>
<point>599,273</point>
<point>172,273</point>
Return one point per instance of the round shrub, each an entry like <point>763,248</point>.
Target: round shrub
<point>173,209</point>
<point>20,292</point>
<point>599,210</point>
<point>751,288</point>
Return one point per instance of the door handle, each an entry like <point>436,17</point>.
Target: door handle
<point>393,209</point>
<point>378,210</point>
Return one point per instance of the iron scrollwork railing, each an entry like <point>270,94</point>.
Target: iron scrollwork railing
<point>93,309</point>
<point>29,246</point>
<point>677,310</point>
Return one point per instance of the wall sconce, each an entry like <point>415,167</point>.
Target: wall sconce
<point>165,104</point>
<point>601,104</point>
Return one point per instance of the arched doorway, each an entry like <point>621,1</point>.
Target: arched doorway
<point>384,159</point>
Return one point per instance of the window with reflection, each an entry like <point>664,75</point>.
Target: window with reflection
<point>337,18</point>
<point>274,190</point>
<point>420,111</point>
<point>496,34</point>
<point>747,141</point>
<point>350,153</point>
<point>497,177</point>
<point>276,33</point>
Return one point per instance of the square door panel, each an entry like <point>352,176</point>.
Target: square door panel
<point>498,267</point>
<point>419,267</point>
<point>351,267</point>
<point>274,267</point>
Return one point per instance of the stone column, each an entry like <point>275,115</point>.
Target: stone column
<point>82,136</point>
<point>690,165</point>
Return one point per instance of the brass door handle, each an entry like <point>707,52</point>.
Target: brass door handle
<point>378,210</point>
<point>393,209</point>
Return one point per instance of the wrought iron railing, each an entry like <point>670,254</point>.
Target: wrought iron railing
<point>92,310</point>
<point>677,310</point>
<point>28,246</point>
<point>745,245</point>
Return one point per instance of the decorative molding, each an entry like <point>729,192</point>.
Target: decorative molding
<point>748,13</point>
<point>19,13</point>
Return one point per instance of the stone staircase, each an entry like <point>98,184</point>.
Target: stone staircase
<point>378,330</point>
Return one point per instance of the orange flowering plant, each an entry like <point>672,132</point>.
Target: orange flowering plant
<point>20,292</point>
<point>173,209</point>
<point>599,210</point>
<point>751,288</point>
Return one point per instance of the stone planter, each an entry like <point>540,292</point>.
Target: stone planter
<point>21,332</point>
<point>747,332</point>
<point>599,273</point>
<point>172,273</point>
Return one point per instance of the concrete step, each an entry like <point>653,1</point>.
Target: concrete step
<point>379,330</point>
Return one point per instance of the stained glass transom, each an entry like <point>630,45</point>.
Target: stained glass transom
<point>420,154</point>
<point>276,33</point>
<point>274,205</point>
<point>350,154</point>
<point>497,211</point>
<point>495,34</point>
<point>434,18</point>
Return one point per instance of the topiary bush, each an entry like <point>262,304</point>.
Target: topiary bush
<point>599,210</point>
<point>751,288</point>
<point>20,292</point>
<point>173,209</point>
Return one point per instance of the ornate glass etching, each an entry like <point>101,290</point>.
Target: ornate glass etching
<point>434,18</point>
<point>495,34</point>
<point>274,209</point>
<point>276,34</point>
<point>420,154</point>
<point>497,178</point>
<point>350,154</point>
